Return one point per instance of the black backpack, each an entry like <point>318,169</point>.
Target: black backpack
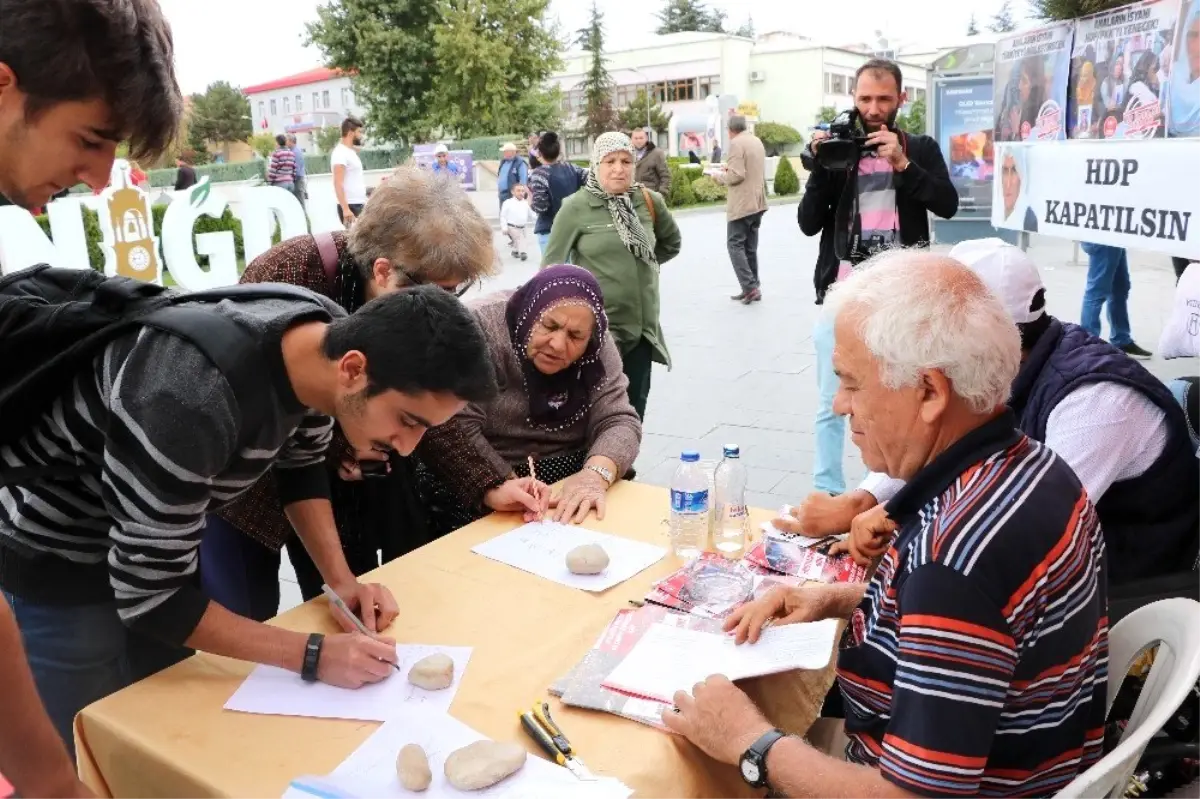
<point>55,321</point>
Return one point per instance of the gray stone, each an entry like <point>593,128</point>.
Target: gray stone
<point>433,673</point>
<point>483,764</point>
<point>587,559</point>
<point>412,766</point>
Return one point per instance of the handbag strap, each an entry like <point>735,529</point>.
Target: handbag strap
<point>327,247</point>
<point>650,206</point>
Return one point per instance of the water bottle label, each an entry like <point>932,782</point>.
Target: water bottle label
<point>736,511</point>
<point>689,501</point>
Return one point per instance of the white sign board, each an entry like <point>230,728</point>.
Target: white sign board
<point>1139,196</point>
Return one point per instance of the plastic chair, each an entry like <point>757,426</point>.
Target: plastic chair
<point>1171,624</point>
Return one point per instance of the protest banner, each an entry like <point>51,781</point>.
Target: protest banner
<point>1032,71</point>
<point>1120,64</point>
<point>1138,196</point>
<point>423,156</point>
<point>1183,92</point>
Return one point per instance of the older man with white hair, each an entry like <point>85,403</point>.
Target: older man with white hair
<point>513,171</point>
<point>1118,427</point>
<point>975,661</point>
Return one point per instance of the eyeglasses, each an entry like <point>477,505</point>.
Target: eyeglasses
<point>413,280</point>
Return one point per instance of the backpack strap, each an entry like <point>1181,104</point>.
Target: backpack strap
<point>327,247</point>
<point>650,206</point>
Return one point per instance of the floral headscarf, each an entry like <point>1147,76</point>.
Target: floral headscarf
<point>562,399</point>
<point>629,227</point>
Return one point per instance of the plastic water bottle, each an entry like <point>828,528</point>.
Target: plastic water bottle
<point>689,507</point>
<point>732,519</point>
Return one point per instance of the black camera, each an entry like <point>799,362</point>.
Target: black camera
<point>846,143</point>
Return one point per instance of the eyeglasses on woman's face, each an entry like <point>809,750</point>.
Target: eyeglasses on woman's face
<point>457,288</point>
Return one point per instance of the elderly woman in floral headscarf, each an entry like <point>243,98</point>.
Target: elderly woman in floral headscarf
<point>621,232</point>
<point>562,401</point>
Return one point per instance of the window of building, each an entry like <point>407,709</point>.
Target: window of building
<point>682,90</point>
<point>287,105</point>
<point>316,101</point>
<point>837,84</point>
<point>346,101</point>
<point>325,98</point>
<point>299,103</point>
<point>918,94</point>
<point>274,110</point>
<point>262,110</point>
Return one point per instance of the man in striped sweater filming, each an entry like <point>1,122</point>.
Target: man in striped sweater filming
<point>107,474</point>
<point>975,661</point>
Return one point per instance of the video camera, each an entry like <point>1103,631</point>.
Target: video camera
<point>846,143</point>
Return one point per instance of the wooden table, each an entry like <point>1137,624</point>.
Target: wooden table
<point>169,736</point>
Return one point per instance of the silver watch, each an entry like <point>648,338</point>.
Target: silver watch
<point>605,473</point>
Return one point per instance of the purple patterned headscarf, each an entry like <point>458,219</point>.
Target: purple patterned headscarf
<point>558,400</point>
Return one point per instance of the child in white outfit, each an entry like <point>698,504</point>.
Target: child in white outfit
<point>515,217</point>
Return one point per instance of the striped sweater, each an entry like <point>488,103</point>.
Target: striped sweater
<point>159,431</point>
<point>977,663</point>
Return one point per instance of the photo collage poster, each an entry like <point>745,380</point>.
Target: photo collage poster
<point>1032,73</point>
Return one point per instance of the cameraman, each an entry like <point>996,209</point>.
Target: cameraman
<point>881,202</point>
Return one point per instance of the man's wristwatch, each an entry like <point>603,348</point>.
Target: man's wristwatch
<point>312,657</point>
<point>753,764</point>
<point>605,473</point>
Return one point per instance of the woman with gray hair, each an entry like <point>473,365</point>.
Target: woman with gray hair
<point>418,228</point>
<point>621,232</point>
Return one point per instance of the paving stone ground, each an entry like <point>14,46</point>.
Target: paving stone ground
<point>744,375</point>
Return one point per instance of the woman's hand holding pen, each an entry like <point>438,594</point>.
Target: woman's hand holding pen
<point>525,495</point>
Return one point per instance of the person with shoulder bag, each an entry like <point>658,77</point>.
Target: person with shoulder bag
<point>881,199</point>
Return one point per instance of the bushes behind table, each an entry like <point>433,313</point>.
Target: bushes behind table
<point>681,193</point>
<point>91,231</point>
<point>708,190</point>
<point>786,181</point>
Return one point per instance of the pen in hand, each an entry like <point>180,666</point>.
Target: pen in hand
<point>337,602</point>
<point>534,487</point>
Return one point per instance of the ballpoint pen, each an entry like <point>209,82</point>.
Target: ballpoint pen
<point>337,602</point>
<point>533,488</point>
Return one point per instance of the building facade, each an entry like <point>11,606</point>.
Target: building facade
<point>303,104</point>
<point>789,77</point>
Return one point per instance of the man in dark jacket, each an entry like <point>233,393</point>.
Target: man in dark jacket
<point>897,183</point>
<point>651,170</point>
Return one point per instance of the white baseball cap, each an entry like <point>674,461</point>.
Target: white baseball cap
<point>441,148</point>
<point>1011,275</point>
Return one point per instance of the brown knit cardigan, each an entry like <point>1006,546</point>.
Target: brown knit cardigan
<point>477,449</point>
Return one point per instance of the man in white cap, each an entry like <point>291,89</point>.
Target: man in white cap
<point>442,163</point>
<point>1114,423</point>
<point>513,170</point>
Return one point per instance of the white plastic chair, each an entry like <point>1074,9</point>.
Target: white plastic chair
<point>1173,624</point>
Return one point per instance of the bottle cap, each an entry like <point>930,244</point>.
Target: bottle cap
<point>689,456</point>
<point>732,451</point>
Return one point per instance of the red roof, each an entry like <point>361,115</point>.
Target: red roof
<point>301,79</point>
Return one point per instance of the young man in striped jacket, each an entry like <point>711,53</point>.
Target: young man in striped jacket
<point>975,662</point>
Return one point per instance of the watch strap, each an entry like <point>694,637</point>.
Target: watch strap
<point>757,754</point>
<point>312,657</point>
<point>608,476</point>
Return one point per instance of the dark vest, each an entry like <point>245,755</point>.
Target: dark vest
<point>1150,522</point>
<point>564,181</point>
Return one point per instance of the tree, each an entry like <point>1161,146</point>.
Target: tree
<point>492,58</point>
<point>786,181</point>
<point>635,115</point>
<point>912,119</point>
<point>678,16</point>
<point>1072,9</point>
<point>219,116</point>
<point>328,138</point>
<point>1002,21</point>
<point>747,29</point>
<point>972,26</point>
<point>264,143</point>
<point>390,45</point>
<point>777,137</point>
<point>597,85</point>
<point>827,113</point>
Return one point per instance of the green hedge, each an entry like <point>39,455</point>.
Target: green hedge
<point>487,148</point>
<point>708,190</point>
<point>681,193</point>
<point>786,181</point>
<point>91,230</point>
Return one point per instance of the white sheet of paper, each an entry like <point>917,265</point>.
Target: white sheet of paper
<point>668,659</point>
<point>371,769</point>
<point>541,548</point>
<point>278,692</point>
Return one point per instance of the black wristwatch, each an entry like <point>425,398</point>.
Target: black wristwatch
<point>312,657</point>
<point>753,764</point>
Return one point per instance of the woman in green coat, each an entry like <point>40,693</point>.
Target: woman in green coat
<point>621,232</point>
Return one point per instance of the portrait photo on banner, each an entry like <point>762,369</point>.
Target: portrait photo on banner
<point>1121,69</point>
<point>1030,86</point>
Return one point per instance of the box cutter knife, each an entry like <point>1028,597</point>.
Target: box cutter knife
<point>549,736</point>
